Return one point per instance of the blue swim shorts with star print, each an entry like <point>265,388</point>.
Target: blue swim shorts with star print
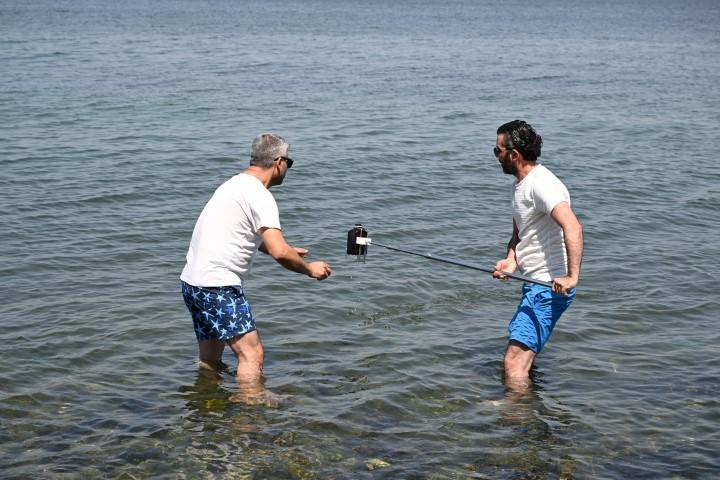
<point>537,314</point>
<point>218,313</point>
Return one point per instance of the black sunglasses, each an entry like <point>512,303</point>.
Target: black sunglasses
<point>288,160</point>
<point>497,151</point>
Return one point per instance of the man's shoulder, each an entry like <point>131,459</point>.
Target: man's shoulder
<point>548,189</point>
<point>544,174</point>
<point>541,170</point>
<point>244,184</point>
<point>243,178</point>
<point>245,190</point>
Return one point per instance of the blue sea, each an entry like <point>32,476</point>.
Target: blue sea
<point>119,119</point>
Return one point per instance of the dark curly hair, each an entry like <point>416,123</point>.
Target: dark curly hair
<point>523,138</point>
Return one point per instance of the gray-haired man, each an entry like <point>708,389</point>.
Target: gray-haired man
<point>240,219</point>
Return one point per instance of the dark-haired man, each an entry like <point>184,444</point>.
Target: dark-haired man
<point>240,219</point>
<point>546,244</point>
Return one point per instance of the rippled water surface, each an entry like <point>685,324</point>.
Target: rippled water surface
<point>119,119</point>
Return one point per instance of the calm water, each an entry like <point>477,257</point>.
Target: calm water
<point>119,119</point>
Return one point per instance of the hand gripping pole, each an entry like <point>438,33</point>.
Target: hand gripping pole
<point>358,242</point>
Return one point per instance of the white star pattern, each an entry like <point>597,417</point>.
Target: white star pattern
<point>218,315</point>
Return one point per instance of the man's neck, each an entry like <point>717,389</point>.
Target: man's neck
<point>262,174</point>
<point>524,170</point>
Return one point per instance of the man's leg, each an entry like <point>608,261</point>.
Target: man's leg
<point>211,355</point>
<point>250,356</point>
<point>518,361</point>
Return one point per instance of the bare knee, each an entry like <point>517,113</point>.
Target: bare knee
<point>249,346</point>
<point>249,352</point>
<point>254,353</point>
<point>518,360</point>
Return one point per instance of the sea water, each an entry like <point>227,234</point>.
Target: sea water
<point>119,119</point>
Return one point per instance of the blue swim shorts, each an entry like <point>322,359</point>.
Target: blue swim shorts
<point>218,313</point>
<point>537,314</point>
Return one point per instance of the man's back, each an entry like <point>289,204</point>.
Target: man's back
<point>541,249</point>
<point>225,239</point>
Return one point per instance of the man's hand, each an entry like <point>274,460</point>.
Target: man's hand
<point>291,257</point>
<point>564,285</point>
<point>573,235</point>
<point>319,270</point>
<point>506,265</point>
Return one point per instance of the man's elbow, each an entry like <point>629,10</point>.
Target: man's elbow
<point>280,252</point>
<point>572,228</point>
<point>577,232</point>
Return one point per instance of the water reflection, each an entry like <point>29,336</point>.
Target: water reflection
<point>535,444</point>
<point>208,395</point>
<point>221,435</point>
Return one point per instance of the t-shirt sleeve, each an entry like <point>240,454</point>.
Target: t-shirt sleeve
<point>548,191</point>
<point>265,212</point>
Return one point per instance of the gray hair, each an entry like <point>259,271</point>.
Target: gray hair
<point>266,148</point>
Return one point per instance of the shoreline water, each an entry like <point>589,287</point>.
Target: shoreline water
<point>121,120</point>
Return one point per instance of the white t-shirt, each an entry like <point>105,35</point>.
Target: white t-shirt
<point>541,253</point>
<point>226,236</point>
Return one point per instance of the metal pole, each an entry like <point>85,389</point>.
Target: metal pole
<point>462,264</point>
